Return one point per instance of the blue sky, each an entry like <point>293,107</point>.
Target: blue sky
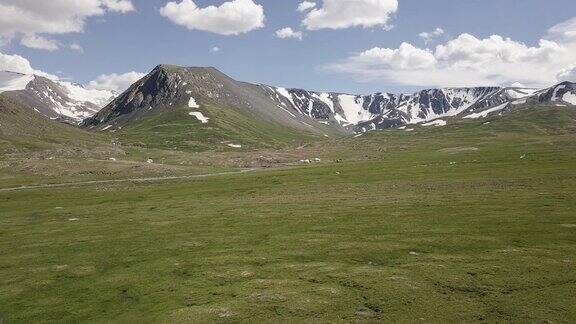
<point>325,59</point>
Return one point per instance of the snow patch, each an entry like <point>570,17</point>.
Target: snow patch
<point>325,98</point>
<point>485,113</point>
<point>341,120</point>
<point>77,92</point>
<point>353,109</point>
<point>192,103</point>
<point>517,93</point>
<point>284,93</point>
<point>519,102</point>
<point>203,119</point>
<point>438,122</point>
<point>570,98</point>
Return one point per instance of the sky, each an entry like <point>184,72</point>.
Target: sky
<point>351,46</point>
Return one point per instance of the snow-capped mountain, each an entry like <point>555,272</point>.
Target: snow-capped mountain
<point>168,86</point>
<point>53,98</point>
<point>385,110</point>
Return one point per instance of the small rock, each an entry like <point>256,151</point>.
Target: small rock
<point>413,253</point>
<point>246,274</point>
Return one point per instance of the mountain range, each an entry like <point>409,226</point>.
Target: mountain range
<point>197,90</point>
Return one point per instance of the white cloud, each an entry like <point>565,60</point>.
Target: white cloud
<point>77,47</point>
<point>306,5</point>
<point>116,82</point>
<point>567,74</point>
<point>427,37</point>
<point>30,17</point>
<point>338,14</point>
<point>288,33</point>
<point>214,49</point>
<point>16,63</point>
<point>469,61</point>
<point>231,18</point>
<point>564,31</point>
<point>406,57</point>
<point>39,42</point>
<point>121,6</point>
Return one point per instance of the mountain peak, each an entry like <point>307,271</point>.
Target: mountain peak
<point>178,68</point>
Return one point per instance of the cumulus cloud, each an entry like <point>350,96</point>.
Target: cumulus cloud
<point>231,18</point>
<point>567,74</point>
<point>427,37</point>
<point>116,82</point>
<point>76,47</point>
<point>39,42</point>
<point>16,63</point>
<point>289,33</point>
<point>29,17</point>
<point>338,14</point>
<point>469,61</point>
<point>306,5</point>
<point>407,57</point>
<point>214,49</point>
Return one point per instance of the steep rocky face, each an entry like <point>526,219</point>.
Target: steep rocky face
<point>561,94</point>
<point>154,89</point>
<point>54,99</point>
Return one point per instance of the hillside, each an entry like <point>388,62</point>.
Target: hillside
<point>22,128</point>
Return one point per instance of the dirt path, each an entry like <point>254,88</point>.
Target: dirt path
<point>150,179</point>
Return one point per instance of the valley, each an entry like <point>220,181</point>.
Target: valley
<point>265,161</point>
<point>472,222</point>
<point>192,195</point>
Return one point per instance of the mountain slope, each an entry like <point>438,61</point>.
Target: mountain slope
<point>22,128</point>
<point>55,99</point>
<point>202,105</point>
